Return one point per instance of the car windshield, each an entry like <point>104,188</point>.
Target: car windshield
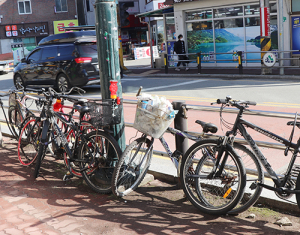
<point>87,49</point>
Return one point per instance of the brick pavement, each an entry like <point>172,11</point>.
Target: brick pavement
<point>50,206</point>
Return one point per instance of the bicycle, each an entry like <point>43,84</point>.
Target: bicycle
<point>135,160</point>
<point>284,186</point>
<point>18,109</point>
<point>92,154</point>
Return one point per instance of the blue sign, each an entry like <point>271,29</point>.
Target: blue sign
<point>171,56</point>
<point>296,34</point>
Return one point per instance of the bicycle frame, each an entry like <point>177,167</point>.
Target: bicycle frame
<point>240,125</point>
<point>172,155</point>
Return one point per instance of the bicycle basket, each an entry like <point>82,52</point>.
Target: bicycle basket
<point>105,112</point>
<point>12,99</point>
<point>151,120</point>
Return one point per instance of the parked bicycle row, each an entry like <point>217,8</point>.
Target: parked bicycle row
<point>218,175</point>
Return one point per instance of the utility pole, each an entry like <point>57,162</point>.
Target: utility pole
<point>280,39</point>
<point>265,35</point>
<point>108,56</point>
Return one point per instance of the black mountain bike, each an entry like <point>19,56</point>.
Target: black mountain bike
<point>285,185</point>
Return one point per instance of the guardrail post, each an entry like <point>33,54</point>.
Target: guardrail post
<point>180,123</point>
<point>199,62</point>
<point>166,63</point>
<point>240,62</point>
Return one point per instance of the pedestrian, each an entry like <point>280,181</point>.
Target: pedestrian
<point>179,48</point>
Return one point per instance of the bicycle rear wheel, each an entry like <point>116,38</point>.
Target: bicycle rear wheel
<point>208,188</point>
<point>28,142</point>
<point>254,173</point>
<point>99,153</point>
<point>132,167</point>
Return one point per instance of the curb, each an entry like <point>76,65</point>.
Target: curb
<point>228,76</point>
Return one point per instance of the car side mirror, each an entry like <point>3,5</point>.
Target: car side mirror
<point>24,60</point>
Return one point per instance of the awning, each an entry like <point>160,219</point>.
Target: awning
<point>157,13</point>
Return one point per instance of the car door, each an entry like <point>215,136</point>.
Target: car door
<point>48,65</point>
<point>31,69</point>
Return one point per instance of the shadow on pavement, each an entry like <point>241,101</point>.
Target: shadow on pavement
<point>72,208</point>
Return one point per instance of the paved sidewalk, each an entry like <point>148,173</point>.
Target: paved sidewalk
<point>50,206</point>
<point>143,68</point>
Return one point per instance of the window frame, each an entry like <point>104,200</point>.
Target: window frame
<point>23,1</point>
<point>56,11</point>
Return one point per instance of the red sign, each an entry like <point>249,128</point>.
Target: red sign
<point>265,22</point>
<point>162,5</point>
<point>7,28</point>
<point>14,27</point>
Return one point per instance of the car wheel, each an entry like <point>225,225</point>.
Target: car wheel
<point>18,80</point>
<point>62,83</point>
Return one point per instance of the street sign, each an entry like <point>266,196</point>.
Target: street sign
<point>269,59</point>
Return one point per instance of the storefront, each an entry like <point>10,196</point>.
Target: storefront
<point>226,29</point>
<point>23,37</point>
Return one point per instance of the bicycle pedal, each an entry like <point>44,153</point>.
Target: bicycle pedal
<point>67,176</point>
<point>253,186</point>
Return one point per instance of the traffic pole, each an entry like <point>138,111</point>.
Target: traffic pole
<point>108,57</point>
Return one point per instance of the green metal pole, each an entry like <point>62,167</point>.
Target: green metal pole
<point>108,56</point>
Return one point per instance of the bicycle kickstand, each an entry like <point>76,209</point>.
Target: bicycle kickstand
<point>69,175</point>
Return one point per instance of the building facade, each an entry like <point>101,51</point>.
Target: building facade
<point>23,23</point>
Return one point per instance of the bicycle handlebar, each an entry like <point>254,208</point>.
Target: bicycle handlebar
<point>236,103</point>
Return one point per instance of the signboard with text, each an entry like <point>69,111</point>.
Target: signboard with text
<point>265,21</point>
<point>295,33</point>
<point>144,52</point>
<point>25,30</point>
<point>59,25</point>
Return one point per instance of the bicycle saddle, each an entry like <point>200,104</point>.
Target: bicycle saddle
<point>81,109</point>
<point>207,127</point>
<point>291,123</point>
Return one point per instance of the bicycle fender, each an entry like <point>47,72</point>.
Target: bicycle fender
<point>45,131</point>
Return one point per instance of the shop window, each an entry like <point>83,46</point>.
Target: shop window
<point>24,7</point>
<point>170,27</point>
<point>295,5</point>
<point>252,10</point>
<point>228,12</point>
<point>199,15</point>
<point>61,5</point>
<point>273,7</point>
<point>200,37</point>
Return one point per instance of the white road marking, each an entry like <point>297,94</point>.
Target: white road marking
<point>173,85</point>
<point>130,79</point>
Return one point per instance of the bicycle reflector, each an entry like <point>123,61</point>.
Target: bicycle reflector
<point>113,89</point>
<point>57,105</point>
<point>227,193</point>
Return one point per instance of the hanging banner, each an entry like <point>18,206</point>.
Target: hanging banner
<point>144,52</point>
<point>265,21</point>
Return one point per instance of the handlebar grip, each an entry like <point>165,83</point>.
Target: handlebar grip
<point>222,101</point>
<point>251,103</point>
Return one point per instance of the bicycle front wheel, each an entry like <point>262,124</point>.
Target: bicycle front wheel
<point>212,188</point>
<point>132,167</point>
<point>99,153</point>
<point>254,173</point>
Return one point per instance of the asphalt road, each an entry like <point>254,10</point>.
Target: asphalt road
<point>202,90</point>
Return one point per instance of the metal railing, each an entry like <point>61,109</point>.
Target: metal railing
<point>239,56</point>
<point>214,109</point>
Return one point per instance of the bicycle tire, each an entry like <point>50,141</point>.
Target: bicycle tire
<point>39,159</point>
<point>85,128</point>
<point>298,188</point>
<point>254,173</point>
<point>15,119</point>
<point>208,192</point>
<point>98,155</point>
<point>28,140</point>
<point>128,173</point>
